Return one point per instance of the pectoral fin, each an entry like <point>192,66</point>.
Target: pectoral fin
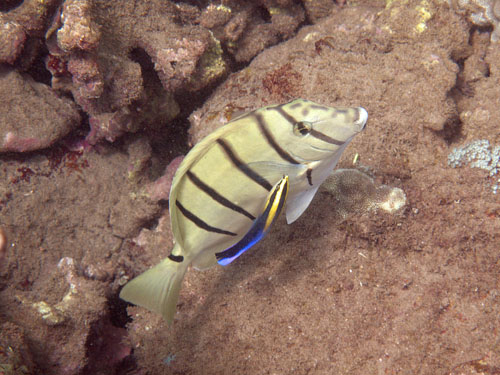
<point>273,171</point>
<point>298,204</point>
<point>261,225</point>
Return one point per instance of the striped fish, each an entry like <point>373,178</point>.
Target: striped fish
<point>231,185</point>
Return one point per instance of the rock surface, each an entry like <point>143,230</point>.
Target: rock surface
<point>36,116</point>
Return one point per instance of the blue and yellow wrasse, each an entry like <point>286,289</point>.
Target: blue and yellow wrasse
<point>261,225</point>
<point>232,185</point>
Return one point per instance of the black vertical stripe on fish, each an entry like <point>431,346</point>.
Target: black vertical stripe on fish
<point>243,167</point>
<point>216,196</point>
<point>325,138</point>
<point>272,142</point>
<point>285,114</point>
<point>309,176</point>
<point>176,258</point>
<point>200,223</point>
<point>314,133</point>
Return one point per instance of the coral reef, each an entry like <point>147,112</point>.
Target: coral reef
<point>283,83</point>
<point>89,45</point>
<point>405,244</point>
<point>478,154</point>
<point>481,13</point>
<point>160,189</point>
<point>77,30</point>
<point>477,89</point>
<point>339,49</point>
<point>317,9</point>
<point>487,365</point>
<point>138,210</point>
<point>36,121</point>
<point>246,28</point>
<point>123,63</point>
<point>478,84</point>
<point>22,29</point>
<point>65,299</point>
<point>188,57</point>
<point>139,152</point>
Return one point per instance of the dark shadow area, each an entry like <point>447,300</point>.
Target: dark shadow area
<point>37,69</point>
<point>107,352</point>
<point>7,5</point>
<point>452,131</point>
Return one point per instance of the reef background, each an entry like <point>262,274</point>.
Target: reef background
<point>98,99</point>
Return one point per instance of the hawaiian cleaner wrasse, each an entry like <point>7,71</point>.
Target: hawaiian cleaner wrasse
<point>232,185</point>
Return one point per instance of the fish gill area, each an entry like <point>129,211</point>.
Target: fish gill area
<point>393,269</point>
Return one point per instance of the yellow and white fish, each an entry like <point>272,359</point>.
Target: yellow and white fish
<point>231,186</point>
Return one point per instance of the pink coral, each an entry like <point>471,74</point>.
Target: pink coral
<point>11,142</point>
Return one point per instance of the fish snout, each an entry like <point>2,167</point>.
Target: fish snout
<point>360,122</point>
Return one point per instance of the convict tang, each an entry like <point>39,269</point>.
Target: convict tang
<point>231,186</point>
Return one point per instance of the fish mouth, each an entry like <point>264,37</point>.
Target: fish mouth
<point>362,118</point>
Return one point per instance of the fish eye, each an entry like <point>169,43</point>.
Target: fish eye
<point>302,128</point>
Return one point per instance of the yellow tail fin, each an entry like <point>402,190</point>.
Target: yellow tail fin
<point>158,288</point>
